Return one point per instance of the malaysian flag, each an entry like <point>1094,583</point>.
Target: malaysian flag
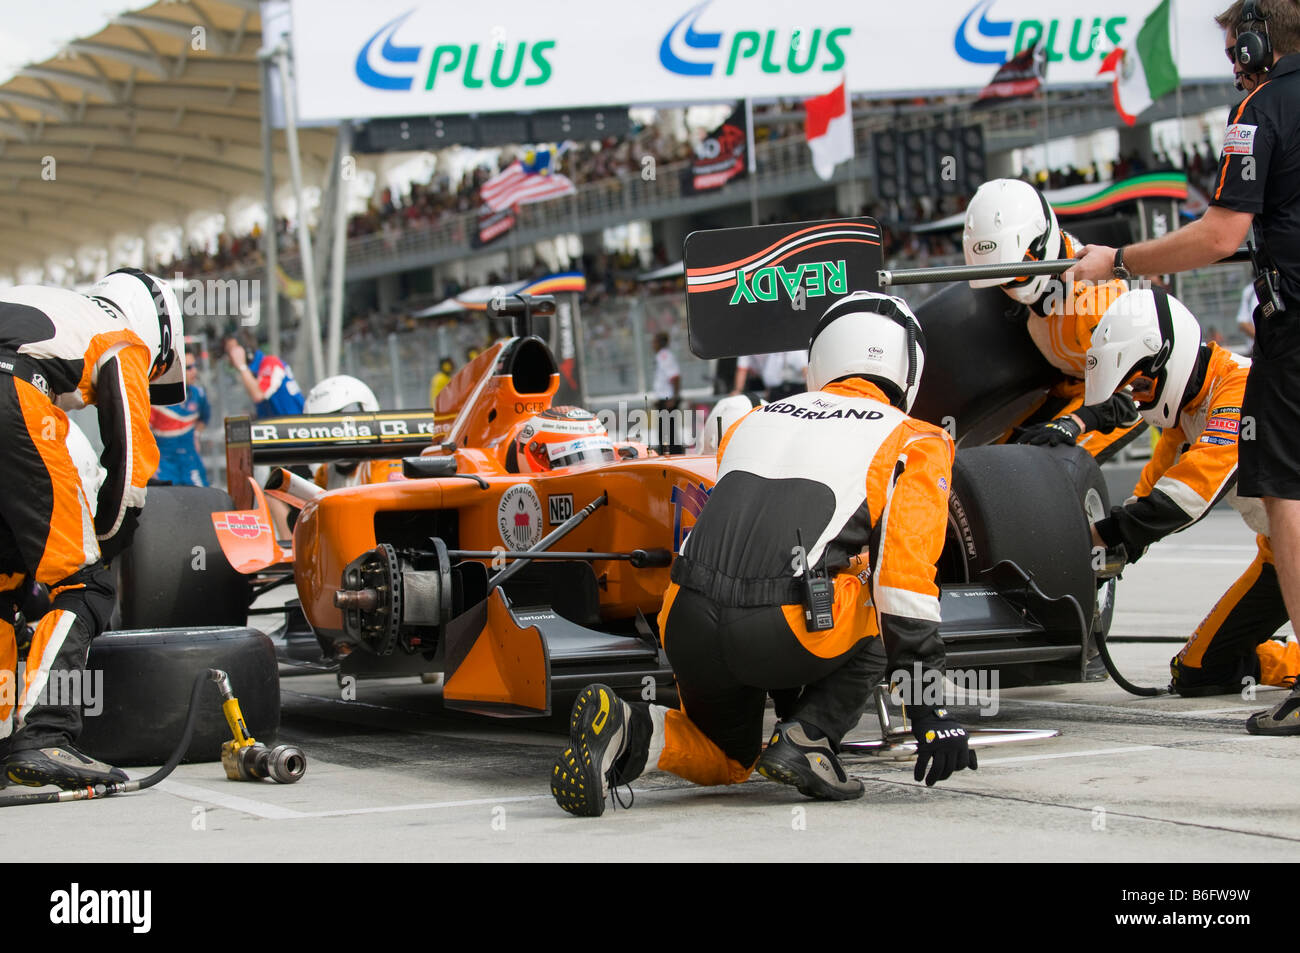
<point>523,182</point>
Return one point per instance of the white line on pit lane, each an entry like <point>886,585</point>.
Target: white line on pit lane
<point>1092,752</point>
<point>273,812</point>
<point>1119,709</point>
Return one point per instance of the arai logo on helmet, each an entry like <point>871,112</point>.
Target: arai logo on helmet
<point>988,42</point>
<point>688,52</point>
<point>384,64</point>
<point>876,353</point>
<point>984,247</point>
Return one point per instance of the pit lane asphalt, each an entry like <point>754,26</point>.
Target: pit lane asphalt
<point>392,777</point>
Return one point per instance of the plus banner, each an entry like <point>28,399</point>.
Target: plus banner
<point>421,57</point>
<point>762,289</point>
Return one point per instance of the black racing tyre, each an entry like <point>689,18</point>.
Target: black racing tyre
<point>174,573</point>
<point>147,680</point>
<point>1094,495</point>
<point>1018,503</point>
<point>981,365</point>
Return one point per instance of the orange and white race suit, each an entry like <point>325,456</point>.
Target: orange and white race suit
<point>865,488</point>
<point>59,351</point>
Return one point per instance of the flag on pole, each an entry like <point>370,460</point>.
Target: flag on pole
<point>828,123</point>
<point>522,184</point>
<point>1144,68</point>
<point>1019,76</point>
<point>721,156</point>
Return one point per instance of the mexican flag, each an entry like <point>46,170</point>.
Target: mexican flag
<point>828,123</point>
<point>1144,67</point>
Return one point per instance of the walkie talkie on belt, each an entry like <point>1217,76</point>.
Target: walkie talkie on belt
<point>1266,279</point>
<point>818,594</point>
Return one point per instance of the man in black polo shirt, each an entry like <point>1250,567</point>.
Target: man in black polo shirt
<point>1258,184</point>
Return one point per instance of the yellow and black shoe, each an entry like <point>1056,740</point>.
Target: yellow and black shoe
<point>584,774</point>
<point>1283,719</point>
<point>63,766</point>
<point>791,757</point>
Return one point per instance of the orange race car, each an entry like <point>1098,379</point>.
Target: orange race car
<point>516,582</point>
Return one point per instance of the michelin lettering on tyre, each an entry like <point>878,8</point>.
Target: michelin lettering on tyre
<point>519,517</point>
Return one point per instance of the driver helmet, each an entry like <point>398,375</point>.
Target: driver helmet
<point>559,437</point>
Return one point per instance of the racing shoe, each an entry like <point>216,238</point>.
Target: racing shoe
<point>1283,719</point>
<point>63,766</point>
<point>791,757</point>
<point>585,772</point>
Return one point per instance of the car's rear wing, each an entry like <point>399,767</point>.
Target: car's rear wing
<point>318,438</point>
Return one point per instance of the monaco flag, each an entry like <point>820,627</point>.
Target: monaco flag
<point>828,123</point>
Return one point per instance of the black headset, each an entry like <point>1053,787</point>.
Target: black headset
<point>1253,51</point>
<point>889,308</point>
<point>166,352</point>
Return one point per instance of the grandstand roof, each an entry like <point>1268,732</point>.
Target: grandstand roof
<point>142,129</point>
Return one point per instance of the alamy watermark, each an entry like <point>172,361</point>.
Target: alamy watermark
<point>218,297</point>
<point>971,687</point>
<point>84,690</point>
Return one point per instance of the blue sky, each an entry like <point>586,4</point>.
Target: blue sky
<point>32,32</point>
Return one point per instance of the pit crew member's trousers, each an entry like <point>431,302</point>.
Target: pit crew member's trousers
<point>1235,640</point>
<point>726,661</point>
<point>47,534</point>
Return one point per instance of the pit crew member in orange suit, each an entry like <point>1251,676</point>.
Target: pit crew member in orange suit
<point>1150,342</point>
<point>866,488</point>
<point>117,347</point>
<point>1010,221</point>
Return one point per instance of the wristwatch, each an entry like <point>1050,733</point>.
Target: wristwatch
<point>1119,271</point>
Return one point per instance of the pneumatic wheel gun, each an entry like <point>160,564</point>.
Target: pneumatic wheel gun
<point>244,758</point>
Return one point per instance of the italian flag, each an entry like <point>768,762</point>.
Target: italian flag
<point>1144,68</point>
<point>828,123</point>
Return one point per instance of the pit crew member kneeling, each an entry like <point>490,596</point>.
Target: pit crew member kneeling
<point>845,472</point>
<point>1151,343</point>
<point>118,347</point>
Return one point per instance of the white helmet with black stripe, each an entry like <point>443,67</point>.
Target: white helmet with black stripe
<point>153,312</point>
<point>1009,221</point>
<point>1149,341</point>
<point>871,335</point>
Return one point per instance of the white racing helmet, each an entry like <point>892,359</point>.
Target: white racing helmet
<point>153,311</point>
<point>872,335</point>
<point>1148,334</point>
<point>340,394</point>
<point>724,413</point>
<point>1009,221</point>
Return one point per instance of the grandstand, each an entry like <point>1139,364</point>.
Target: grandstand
<point>148,144</point>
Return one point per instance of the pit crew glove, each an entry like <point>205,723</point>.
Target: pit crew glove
<point>1051,434</point>
<point>110,548</point>
<point>941,743</point>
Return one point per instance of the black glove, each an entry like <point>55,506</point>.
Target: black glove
<point>941,743</point>
<point>113,546</point>
<point>1051,434</point>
